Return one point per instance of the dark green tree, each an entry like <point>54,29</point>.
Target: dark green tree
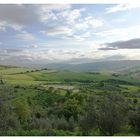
<point>72,109</point>
<point>88,120</point>
<point>134,118</point>
<point>108,114</point>
<point>112,114</point>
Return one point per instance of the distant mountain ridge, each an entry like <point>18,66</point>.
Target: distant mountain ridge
<point>123,66</point>
<point>117,66</point>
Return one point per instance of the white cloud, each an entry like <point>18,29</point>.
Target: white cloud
<point>47,11</point>
<point>122,7</point>
<point>56,7</point>
<point>60,13</point>
<point>24,15</point>
<point>70,31</point>
<point>16,27</point>
<point>71,15</point>
<point>63,13</point>
<point>80,37</point>
<point>47,15</point>
<point>119,20</point>
<point>92,22</point>
<point>120,33</point>
<point>67,33</point>
<point>88,22</point>
<point>74,37</point>
<point>2,26</point>
<point>34,46</point>
<point>25,36</point>
<point>65,27</point>
<point>95,46</point>
<point>60,55</point>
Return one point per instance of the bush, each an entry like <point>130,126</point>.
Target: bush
<point>41,124</point>
<point>8,120</point>
<point>22,109</point>
<point>17,86</point>
<point>62,124</point>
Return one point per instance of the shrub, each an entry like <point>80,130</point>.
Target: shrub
<point>8,120</point>
<point>41,124</point>
<point>62,124</point>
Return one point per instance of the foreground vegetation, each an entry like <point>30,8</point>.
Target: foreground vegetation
<point>63,103</point>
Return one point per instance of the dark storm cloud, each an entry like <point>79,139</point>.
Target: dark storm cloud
<point>128,44</point>
<point>18,14</point>
<point>107,48</point>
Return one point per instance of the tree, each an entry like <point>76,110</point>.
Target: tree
<point>112,114</point>
<point>71,108</point>
<point>108,114</point>
<point>22,110</point>
<point>135,120</point>
<point>88,120</point>
<point>8,119</point>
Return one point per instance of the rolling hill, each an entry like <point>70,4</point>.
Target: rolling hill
<point>115,66</point>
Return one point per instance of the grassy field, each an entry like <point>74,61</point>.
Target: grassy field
<point>60,79</point>
<point>68,80</point>
<point>55,76</point>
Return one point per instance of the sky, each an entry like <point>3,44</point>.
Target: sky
<point>74,33</point>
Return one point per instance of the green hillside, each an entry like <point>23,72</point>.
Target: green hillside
<point>56,102</point>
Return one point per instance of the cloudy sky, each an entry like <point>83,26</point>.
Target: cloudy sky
<point>57,33</point>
